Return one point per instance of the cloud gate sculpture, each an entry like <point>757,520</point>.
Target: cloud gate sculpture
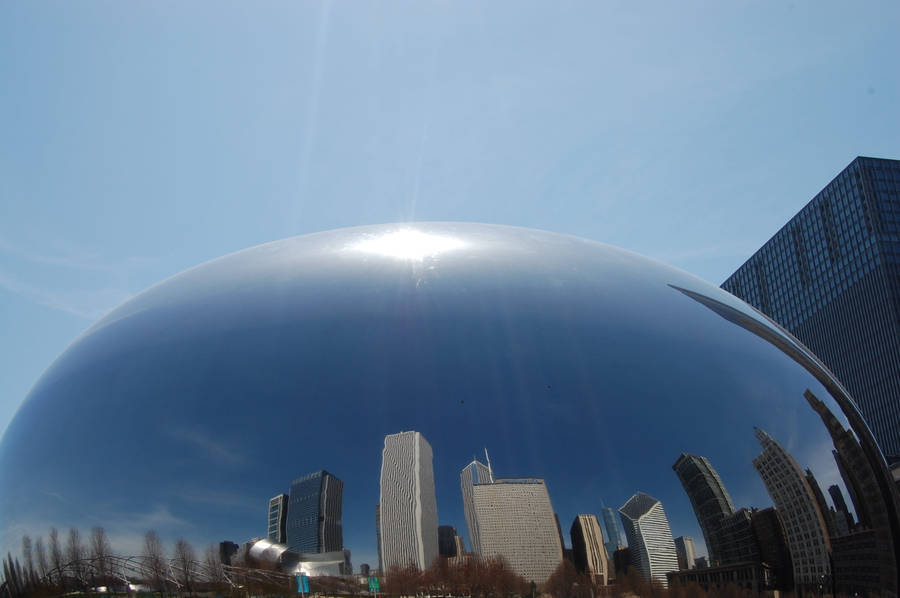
<point>619,381</point>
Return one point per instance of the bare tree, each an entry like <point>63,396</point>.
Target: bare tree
<point>214,571</point>
<point>155,559</point>
<point>75,554</point>
<point>184,561</point>
<point>56,558</point>
<point>28,557</point>
<point>101,554</point>
<point>567,582</point>
<point>41,556</point>
<point>16,584</point>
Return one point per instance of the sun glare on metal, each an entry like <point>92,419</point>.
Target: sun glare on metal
<point>408,244</point>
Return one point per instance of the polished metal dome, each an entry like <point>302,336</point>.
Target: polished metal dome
<point>185,409</point>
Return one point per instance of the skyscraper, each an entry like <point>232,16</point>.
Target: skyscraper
<point>649,538</point>
<point>516,522</point>
<point>408,512</point>
<point>837,497</point>
<point>831,276</point>
<point>875,550</point>
<point>314,514</point>
<point>277,518</point>
<point>684,546</point>
<point>615,538</point>
<point>447,541</point>
<point>804,524</point>
<point>475,472</point>
<point>709,498</point>
<point>588,551</point>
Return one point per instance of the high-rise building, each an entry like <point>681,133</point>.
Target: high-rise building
<point>460,546</point>
<point>588,551</point>
<point>737,542</point>
<point>475,472</point>
<point>649,538</point>
<point>516,522</point>
<point>709,498</point>
<point>615,538</point>
<point>837,497</point>
<point>684,546</point>
<point>314,514</point>
<point>378,536</point>
<point>874,507</point>
<point>773,547</point>
<point>831,276</point>
<point>277,518</point>
<point>408,512</point>
<point>804,523</point>
<point>447,540</point>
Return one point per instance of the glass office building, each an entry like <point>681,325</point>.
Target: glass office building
<point>277,519</point>
<point>831,276</point>
<point>314,514</point>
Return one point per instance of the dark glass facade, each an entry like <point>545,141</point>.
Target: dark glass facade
<point>831,276</point>
<point>447,541</point>
<point>314,514</point>
<point>709,498</point>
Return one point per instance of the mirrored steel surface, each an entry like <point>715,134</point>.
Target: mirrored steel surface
<point>188,407</point>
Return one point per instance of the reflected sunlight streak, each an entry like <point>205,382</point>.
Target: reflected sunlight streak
<point>408,244</point>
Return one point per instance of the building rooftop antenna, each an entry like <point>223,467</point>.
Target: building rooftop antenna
<point>490,469</point>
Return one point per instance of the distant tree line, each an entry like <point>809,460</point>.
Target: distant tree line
<point>73,566</point>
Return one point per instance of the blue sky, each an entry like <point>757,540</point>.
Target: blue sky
<point>139,139</point>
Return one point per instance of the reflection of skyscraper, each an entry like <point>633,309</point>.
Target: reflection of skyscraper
<point>588,552</point>
<point>615,538</point>
<point>649,538</point>
<point>837,497</point>
<point>408,513</point>
<point>277,518</point>
<point>473,473</point>
<point>833,267</point>
<point>737,544</point>
<point>447,540</point>
<point>516,522</point>
<point>378,537</point>
<point>803,521</point>
<point>820,501</point>
<point>773,548</point>
<point>709,498</point>
<point>314,514</point>
<point>875,549</point>
<point>684,546</point>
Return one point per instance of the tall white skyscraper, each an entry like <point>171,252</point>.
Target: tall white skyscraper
<point>516,522</point>
<point>408,513</point>
<point>804,523</point>
<point>475,472</point>
<point>649,538</point>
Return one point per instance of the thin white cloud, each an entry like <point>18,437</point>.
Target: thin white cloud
<point>44,285</point>
<point>210,448</point>
<point>90,305</point>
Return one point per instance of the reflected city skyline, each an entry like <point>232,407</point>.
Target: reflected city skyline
<point>576,364</point>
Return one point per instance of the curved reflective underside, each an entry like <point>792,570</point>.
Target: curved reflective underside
<point>187,408</point>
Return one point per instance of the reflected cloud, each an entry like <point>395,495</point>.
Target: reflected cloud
<point>216,451</point>
<point>217,498</point>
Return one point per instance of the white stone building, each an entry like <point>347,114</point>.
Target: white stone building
<point>408,521</point>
